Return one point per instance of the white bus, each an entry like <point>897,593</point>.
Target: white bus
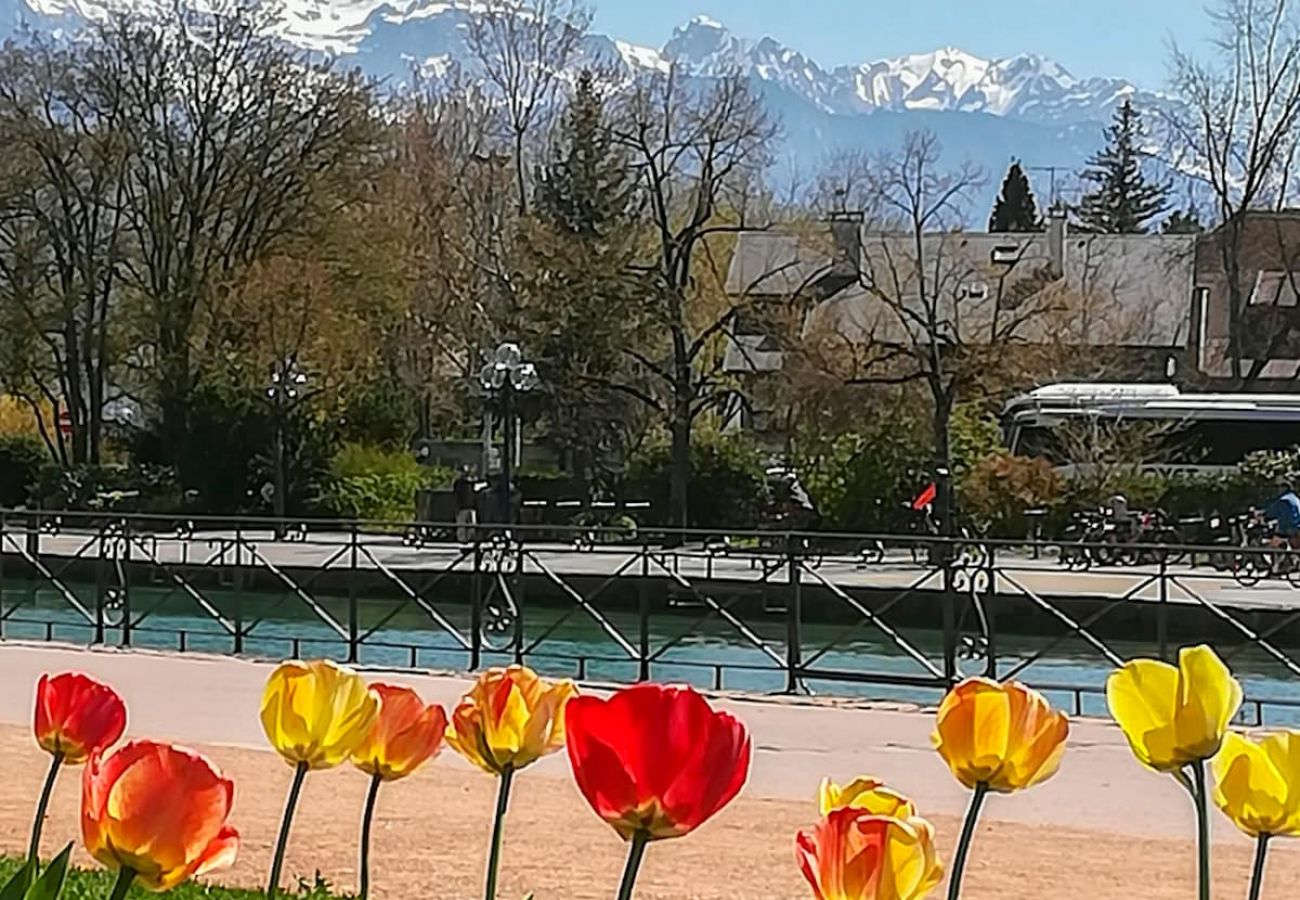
<point>1184,431</point>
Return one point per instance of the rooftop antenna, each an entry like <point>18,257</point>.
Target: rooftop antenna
<point>1053,196</point>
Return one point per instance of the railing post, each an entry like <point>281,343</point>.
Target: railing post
<point>643,615</point>
<point>354,624</point>
<point>1162,611</point>
<point>126,582</point>
<point>990,601</point>
<point>4,522</point>
<point>237,582</point>
<point>476,606</point>
<point>949,614</point>
<point>100,587</point>
<point>517,591</point>
<point>793,617</point>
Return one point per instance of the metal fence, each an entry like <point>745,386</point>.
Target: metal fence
<point>872,615</point>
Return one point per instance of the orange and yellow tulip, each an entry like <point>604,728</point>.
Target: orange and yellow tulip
<point>510,719</point>
<point>1005,737</point>
<point>1173,717</point>
<point>404,736</point>
<point>316,713</point>
<point>157,814</point>
<point>864,793</point>
<point>854,855</point>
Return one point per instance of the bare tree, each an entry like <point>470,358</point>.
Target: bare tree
<point>933,312</point>
<point>522,47</point>
<point>698,152</point>
<point>60,249</point>
<point>234,140</point>
<point>448,186</point>
<point>1236,128</point>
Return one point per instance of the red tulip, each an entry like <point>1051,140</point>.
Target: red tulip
<point>76,715</point>
<point>655,761</point>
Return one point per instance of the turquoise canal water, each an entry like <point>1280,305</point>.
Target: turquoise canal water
<point>685,645</point>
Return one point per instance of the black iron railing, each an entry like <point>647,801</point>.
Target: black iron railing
<point>898,615</point>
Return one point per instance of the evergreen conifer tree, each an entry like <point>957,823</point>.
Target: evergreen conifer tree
<point>587,190</point>
<point>1016,209</point>
<point>1122,200</point>
<point>1182,222</point>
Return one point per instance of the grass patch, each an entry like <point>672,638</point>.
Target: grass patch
<point>97,884</point>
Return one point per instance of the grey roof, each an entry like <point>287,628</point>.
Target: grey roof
<point>777,264</point>
<point>1120,290</point>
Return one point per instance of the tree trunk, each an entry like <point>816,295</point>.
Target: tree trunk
<point>945,499</point>
<point>680,470</point>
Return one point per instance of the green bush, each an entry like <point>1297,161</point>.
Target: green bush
<point>368,482</point>
<point>975,436</point>
<point>862,481</point>
<point>138,487</point>
<point>728,486</point>
<point>21,460</point>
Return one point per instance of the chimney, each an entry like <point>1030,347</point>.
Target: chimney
<point>846,231</point>
<point>1056,226</point>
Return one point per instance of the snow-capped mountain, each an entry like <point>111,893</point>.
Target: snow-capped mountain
<point>1024,106</point>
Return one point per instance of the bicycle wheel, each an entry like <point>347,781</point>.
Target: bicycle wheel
<point>1249,568</point>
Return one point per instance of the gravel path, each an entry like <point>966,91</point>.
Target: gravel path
<point>1103,828</point>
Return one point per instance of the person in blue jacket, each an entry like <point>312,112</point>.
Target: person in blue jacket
<point>1285,510</point>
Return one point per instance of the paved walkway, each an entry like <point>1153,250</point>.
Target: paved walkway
<point>1018,572</point>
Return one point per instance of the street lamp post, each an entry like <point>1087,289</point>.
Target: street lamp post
<point>504,375</point>
<point>286,388</point>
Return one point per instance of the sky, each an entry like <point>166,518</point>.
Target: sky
<point>1121,38</point>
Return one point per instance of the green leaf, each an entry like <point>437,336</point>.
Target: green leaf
<point>16,887</point>
<point>50,885</point>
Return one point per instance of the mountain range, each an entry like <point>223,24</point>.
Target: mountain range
<point>986,111</point>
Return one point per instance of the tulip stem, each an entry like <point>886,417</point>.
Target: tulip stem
<point>273,885</point>
<point>56,760</point>
<point>1202,830</point>
<point>498,827</point>
<point>635,852</point>
<point>967,834</point>
<point>366,818</point>
<point>1257,879</point>
<point>123,883</point>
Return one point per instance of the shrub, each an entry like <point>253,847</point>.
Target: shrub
<point>998,490</point>
<point>139,487</point>
<point>21,460</point>
<point>862,481</point>
<point>368,482</point>
<point>728,486</point>
<point>975,435</point>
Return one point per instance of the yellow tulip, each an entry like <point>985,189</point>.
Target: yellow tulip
<point>1003,736</point>
<point>854,855</point>
<point>317,713</point>
<point>864,793</point>
<point>1257,784</point>
<point>1171,716</point>
<point>510,719</point>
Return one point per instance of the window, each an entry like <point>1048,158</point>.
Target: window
<point>975,290</point>
<point>1275,288</point>
<point>1006,254</point>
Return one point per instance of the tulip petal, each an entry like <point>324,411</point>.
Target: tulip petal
<point>1208,699</point>
<point>1142,696</point>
